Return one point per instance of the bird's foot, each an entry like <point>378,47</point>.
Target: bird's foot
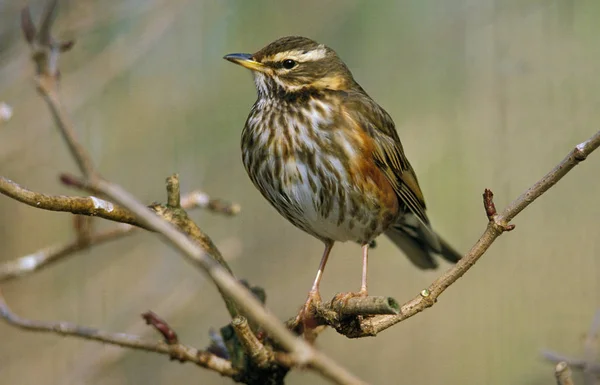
<point>344,297</point>
<point>306,322</point>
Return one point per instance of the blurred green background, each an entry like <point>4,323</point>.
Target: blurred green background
<point>484,93</point>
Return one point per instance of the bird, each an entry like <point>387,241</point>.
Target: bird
<point>328,158</point>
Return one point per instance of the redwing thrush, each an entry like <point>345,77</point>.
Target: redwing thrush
<point>328,157</point>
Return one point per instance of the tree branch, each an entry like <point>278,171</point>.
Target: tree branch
<point>182,353</point>
<point>30,263</point>
<point>96,207</point>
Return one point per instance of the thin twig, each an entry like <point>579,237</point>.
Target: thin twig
<point>588,364</point>
<point>42,258</point>
<point>45,53</point>
<point>575,363</point>
<point>178,351</point>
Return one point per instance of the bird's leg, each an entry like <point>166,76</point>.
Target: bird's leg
<point>363,292</point>
<point>305,315</point>
<point>365,260</point>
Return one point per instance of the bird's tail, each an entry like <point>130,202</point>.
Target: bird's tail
<point>419,242</point>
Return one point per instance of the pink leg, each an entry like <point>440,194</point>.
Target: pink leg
<point>315,286</point>
<point>305,317</point>
<point>365,258</point>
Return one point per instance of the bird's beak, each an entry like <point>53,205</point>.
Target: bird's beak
<point>245,60</point>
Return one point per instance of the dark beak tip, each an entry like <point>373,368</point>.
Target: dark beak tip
<point>237,57</point>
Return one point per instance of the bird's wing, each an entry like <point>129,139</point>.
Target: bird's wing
<point>388,153</point>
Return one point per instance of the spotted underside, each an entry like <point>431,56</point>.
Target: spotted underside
<point>312,188</point>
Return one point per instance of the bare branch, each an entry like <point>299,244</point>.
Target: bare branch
<point>96,207</point>
<point>46,21</point>
<point>90,206</point>
<point>42,258</point>
<point>575,363</point>
<point>178,351</point>
<point>27,26</point>
<point>27,264</point>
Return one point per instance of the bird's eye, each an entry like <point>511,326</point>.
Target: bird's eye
<point>288,64</point>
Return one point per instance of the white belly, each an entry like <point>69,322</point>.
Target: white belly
<point>322,205</point>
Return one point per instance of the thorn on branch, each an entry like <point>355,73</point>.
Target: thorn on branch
<point>162,327</point>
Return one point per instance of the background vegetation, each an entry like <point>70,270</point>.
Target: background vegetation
<point>485,94</point>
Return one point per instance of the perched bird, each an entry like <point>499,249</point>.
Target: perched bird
<point>328,157</point>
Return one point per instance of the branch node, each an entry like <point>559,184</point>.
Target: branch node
<point>256,350</point>
<point>580,152</point>
<point>495,220</point>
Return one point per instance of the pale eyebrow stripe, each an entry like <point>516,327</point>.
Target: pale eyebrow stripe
<point>299,55</point>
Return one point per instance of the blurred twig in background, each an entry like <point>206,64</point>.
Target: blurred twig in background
<point>563,374</point>
<point>589,364</point>
<point>259,348</point>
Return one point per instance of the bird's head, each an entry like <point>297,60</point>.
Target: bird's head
<point>294,64</point>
